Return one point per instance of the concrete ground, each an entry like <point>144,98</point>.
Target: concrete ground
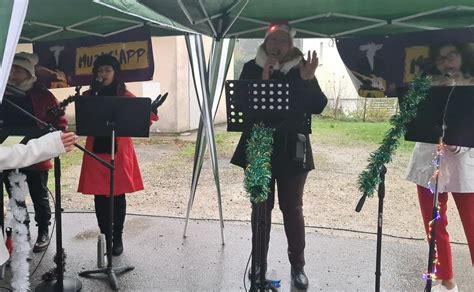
<point>163,261</point>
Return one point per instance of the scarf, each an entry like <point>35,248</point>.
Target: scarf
<point>292,60</point>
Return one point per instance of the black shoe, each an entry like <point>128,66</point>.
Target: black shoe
<point>42,241</point>
<point>117,245</point>
<point>298,278</point>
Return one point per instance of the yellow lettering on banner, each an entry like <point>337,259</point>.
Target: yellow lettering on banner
<point>131,55</point>
<point>415,60</point>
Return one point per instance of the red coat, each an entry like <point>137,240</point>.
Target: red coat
<point>42,99</point>
<point>95,178</point>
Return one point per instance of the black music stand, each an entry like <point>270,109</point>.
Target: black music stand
<point>446,115</point>
<point>103,116</point>
<point>277,104</point>
<point>21,127</point>
<point>427,125</point>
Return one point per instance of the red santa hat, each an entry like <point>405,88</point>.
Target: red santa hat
<point>281,26</point>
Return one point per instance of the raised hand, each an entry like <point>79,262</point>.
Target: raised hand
<point>308,69</point>
<point>157,102</point>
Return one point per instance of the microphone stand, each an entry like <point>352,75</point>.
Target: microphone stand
<point>435,213</point>
<point>381,196</point>
<point>110,270</point>
<point>61,283</point>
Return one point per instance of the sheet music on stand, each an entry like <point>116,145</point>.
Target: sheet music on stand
<point>270,101</point>
<point>12,123</point>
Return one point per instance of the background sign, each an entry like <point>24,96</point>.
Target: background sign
<point>69,62</point>
<point>381,65</point>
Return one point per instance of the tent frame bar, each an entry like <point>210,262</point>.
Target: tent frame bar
<point>101,17</point>
<point>378,22</point>
<point>158,24</point>
<point>235,17</point>
<point>57,29</point>
<point>209,19</point>
<point>401,21</point>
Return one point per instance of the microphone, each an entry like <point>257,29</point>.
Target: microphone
<point>97,85</point>
<point>272,67</point>
<point>450,76</point>
<point>270,70</point>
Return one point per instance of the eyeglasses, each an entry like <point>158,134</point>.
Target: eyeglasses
<point>451,56</point>
<point>277,40</point>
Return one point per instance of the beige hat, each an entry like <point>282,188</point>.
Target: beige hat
<point>26,61</point>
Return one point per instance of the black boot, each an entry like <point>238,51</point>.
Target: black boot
<point>298,278</point>
<point>117,245</point>
<point>42,241</point>
<point>120,206</point>
<point>102,212</point>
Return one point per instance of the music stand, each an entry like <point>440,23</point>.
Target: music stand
<point>104,116</point>
<point>277,103</point>
<point>445,116</point>
<point>427,125</point>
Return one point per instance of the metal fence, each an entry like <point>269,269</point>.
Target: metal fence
<point>362,109</point>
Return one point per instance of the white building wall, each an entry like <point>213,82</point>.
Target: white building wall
<point>332,74</point>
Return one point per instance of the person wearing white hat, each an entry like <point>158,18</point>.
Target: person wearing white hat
<point>37,101</point>
<point>278,59</point>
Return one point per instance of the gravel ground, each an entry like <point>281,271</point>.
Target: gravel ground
<point>330,196</point>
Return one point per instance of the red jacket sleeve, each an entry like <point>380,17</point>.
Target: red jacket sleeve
<point>43,100</point>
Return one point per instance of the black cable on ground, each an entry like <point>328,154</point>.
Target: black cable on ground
<point>277,223</point>
<point>245,272</point>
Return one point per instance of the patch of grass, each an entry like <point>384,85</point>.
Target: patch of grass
<point>186,150</point>
<point>225,144</point>
<point>325,131</point>
<point>330,131</point>
<point>68,160</point>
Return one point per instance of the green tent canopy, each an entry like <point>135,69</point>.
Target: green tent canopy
<point>65,19</point>
<point>5,16</point>
<point>311,18</point>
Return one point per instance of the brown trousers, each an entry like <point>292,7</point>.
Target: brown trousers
<point>290,198</point>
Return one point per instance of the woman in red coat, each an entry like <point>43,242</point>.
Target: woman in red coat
<point>95,178</point>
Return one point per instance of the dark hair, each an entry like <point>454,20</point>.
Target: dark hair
<point>106,60</point>
<point>109,60</point>
<point>464,50</point>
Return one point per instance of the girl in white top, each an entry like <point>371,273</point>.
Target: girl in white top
<point>36,150</point>
<point>456,175</point>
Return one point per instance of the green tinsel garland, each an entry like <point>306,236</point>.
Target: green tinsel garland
<point>259,170</point>
<point>369,178</point>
